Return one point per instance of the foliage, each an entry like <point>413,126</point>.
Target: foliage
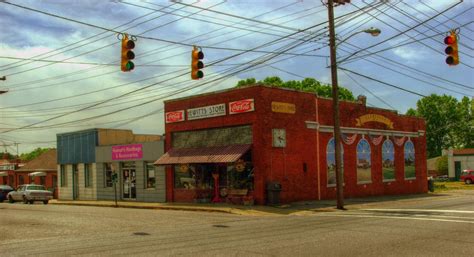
<point>442,165</point>
<point>307,84</point>
<point>7,156</point>
<point>449,122</point>
<point>32,155</point>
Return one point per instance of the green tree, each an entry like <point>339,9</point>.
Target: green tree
<point>442,165</point>
<point>307,84</point>
<point>31,155</point>
<point>449,123</point>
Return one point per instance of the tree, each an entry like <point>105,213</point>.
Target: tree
<point>449,123</point>
<point>442,165</point>
<point>32,155</point>
<point>307,84</point>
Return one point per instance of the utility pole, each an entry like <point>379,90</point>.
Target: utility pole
<point>335,106</point>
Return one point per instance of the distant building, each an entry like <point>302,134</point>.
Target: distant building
<point>459,160</point>
<point>41,170</point>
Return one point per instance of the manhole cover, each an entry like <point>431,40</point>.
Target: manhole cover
<point>141,234</point>
<point>220,226</point>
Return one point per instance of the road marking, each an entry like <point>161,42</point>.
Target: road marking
<point>393,217</point>
<point>420,210</point>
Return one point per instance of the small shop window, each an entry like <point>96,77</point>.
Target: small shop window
<point>150,175</point>
<point>21,179</point>
<point>63,176</point>
<point>331,162</point>
<point>388,161</point>
<point>409,152</point>
<point>108,174</point>
<point>87,175</point>
<point>364,165</point>
<point>42,180</point>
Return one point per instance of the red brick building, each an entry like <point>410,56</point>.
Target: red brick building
<point>257,135</point>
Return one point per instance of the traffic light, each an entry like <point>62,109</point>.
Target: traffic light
<point>196,64</point>
<point>452,48</point>
<point>127,53</point>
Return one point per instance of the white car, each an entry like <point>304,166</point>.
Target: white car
<point>30,193</point>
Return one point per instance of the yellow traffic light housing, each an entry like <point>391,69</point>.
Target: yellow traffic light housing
<point>127,54</point>
<point>196,64</point>
<point>452,49</point>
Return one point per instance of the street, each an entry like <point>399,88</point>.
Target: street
<point>436,227</point>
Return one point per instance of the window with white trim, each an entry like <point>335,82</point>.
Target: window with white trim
<point>331,162</point>
<point>388,160</point>
<point>364,165</point>
<point>409,156</point>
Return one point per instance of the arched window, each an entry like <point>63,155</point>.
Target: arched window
<point>363,162</point>
<point>388,160</point>
<point>409,153</point>
<point>331,162</point>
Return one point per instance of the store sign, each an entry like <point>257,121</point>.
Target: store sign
<point>206,112</point>
<point>283,107</point>
<point>374,117</point>
<point>127,152</point>
<point>241,106</point>
<point>175,116</point>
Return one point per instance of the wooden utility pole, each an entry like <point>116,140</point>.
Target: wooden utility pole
<point>335,105</point>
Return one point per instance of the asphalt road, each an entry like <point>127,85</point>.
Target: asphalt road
<point>431,227</point>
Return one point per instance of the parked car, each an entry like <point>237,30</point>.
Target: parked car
<point>467,176</point>
<point>4,190</point>
<point>30,193</point>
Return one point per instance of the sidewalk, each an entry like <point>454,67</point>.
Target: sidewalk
<point>297,208</point>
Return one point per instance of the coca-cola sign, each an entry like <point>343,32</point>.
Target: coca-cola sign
<point>241,106</point>
<point>175,116</point>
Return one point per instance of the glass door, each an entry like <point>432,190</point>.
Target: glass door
<point>129,181</point>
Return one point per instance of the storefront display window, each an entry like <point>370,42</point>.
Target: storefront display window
<point>87,175</point>
<point>108,174</point>
<point>388,160</point>
<point>364,165</point>
<point>150,175</point>
<point>331,162</point>
<point>409,153</point>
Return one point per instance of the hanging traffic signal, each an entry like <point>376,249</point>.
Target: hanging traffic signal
<point>196,64</point>
<point>452,49</point>
<point>127,53</point>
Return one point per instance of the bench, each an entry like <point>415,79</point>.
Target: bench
<point>236,196</point>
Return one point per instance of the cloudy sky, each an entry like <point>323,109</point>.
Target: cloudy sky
<point>62,68</point>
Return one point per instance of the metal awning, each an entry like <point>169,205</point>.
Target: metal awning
<point>219,154</point>
<point>3,173</point>
<point>37,174</point>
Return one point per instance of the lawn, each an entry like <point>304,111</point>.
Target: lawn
<point>452,185</point>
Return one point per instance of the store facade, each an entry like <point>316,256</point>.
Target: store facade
<point>100,164</point>
<point>235,145</point>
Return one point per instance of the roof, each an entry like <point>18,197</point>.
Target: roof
<point>467,151</point>
<point>219,154</point>
<point>44,162</point>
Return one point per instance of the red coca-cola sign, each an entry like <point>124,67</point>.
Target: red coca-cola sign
<point>241,106</point>
<point>175,116</point>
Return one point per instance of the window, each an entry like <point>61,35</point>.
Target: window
<point>409,153</point>
<point>63,176</point>
<point>331,162</point>
<point>43,180</point>
<point>87,175</point>
<point>388,161</point>
<point>108,174</point>
<point>150,175</point>
<point>363,162</point>
<point>21,179</point>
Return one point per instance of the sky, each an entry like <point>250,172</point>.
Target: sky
<point>61,59</point>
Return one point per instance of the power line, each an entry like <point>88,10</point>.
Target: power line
<point>385,83</point>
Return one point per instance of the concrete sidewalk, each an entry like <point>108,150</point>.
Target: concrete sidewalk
<point>297,208</point>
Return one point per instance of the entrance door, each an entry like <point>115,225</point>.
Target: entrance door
<point>129,181</point>
<point>457,170</point>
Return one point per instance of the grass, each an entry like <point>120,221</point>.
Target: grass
<point>452,185</point>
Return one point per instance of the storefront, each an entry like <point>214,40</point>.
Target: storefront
<point>101,164</point>
<point>235,145</point>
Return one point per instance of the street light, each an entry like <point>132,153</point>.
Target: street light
<point>372,31</point>
<point>335,98</point>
